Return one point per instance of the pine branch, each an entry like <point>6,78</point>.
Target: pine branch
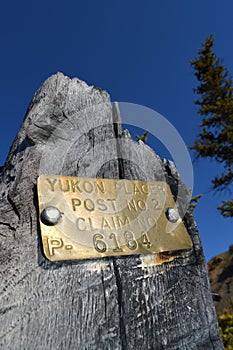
<point>227,208</point>
<point>194,201</point>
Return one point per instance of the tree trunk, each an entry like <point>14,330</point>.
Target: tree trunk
<point>159,301</point>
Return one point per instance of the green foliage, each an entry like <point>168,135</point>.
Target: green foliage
<point>215,105</point>
<point>194,202</point>
<point>226,208</point>
<point>143,137</point>
<point>225,321</point>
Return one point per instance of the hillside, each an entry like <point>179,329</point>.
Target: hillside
<point>221,279</point>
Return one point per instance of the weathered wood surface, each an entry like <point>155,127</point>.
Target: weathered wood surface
<point>137,302</point>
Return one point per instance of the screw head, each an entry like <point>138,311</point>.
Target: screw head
<point>50,215</point>
<point>172,215</point>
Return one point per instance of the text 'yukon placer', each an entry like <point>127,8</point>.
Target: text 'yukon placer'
<point>84,218</point>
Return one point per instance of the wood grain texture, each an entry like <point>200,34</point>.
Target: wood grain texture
<point>138,302</point>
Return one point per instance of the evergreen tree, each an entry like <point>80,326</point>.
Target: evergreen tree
<point>215,105</point>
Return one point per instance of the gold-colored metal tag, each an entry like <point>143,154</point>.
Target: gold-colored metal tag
<point>83,218</point>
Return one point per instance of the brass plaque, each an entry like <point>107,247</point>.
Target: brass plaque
<point>83,218</point>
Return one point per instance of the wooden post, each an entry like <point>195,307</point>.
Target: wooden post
<point>160,301</point>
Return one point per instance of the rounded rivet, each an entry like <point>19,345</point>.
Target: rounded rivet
<point>172,215</point>
<point>50,215</point>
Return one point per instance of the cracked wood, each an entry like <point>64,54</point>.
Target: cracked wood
<point>138,302</point>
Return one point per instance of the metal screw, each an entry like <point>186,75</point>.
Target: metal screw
<point>50,215</point>
<point>172,215</point>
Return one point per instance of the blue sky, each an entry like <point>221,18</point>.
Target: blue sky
<point>138,51</point>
